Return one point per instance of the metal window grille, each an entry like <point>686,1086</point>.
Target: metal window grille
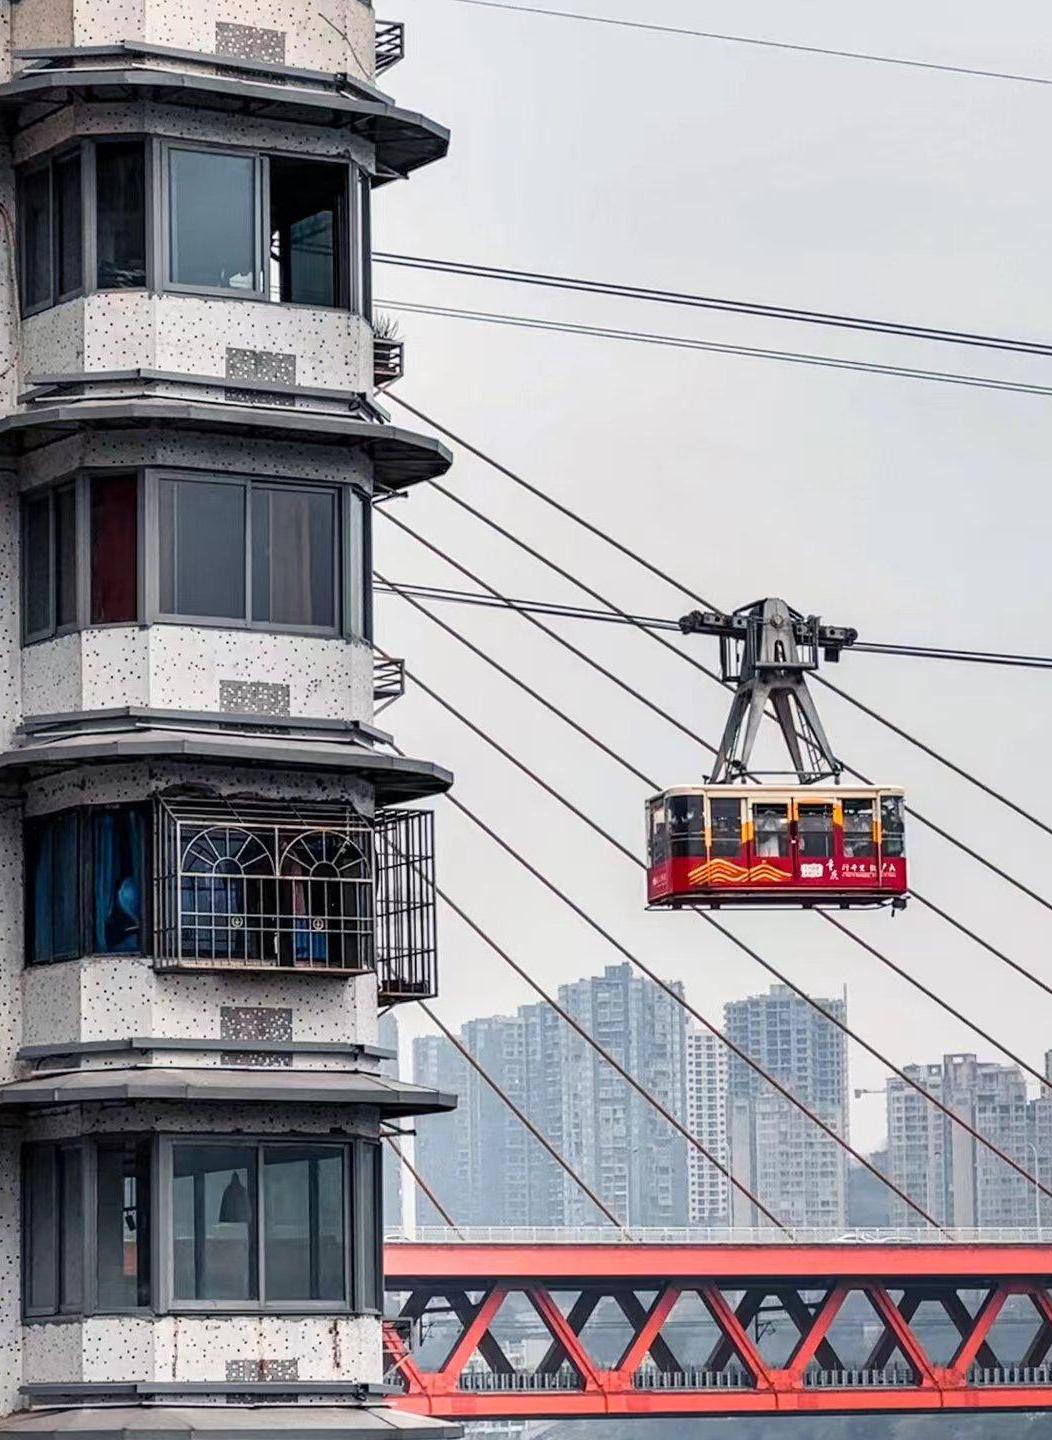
<point>262,885</point>
<point>390,44</point>
<point>406,942</point>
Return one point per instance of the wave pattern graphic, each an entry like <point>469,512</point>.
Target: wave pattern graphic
<point>729,872</point>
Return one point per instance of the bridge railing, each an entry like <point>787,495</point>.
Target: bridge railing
<point>720,1235</point>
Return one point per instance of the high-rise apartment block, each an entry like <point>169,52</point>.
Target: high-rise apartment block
<point>487,1170</point>
<point>775,1150</point>
<point>954,1178</point>
<point>211,881</point>
<point>708,1190</point>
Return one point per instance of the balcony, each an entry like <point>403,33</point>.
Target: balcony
<point>390,44</point>
<point>303,888</point>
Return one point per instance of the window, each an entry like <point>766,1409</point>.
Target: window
<point>771,829</point>
<point>241,886</point>
<point>892,826</point>
<point>114,548</point>
<point>859,843</point>
<point>51,524</point>
<point>657,832</point>
<point>213,220</point>
<point>270,225</point>
<point>308,207</point>
<point>815,829</point>
<point>264,1223</point>
<point>120,214</point>
<point>51,232</point>
<point>85,883</point>
<point>122,1224</point>
<point>686,826</point>
<point>726,820</point>
<point>59,1239</point>
<point>249,552</point>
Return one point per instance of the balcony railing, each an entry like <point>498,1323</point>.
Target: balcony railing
<point>297,887</point>
<point>388,682</point>
<point>390,44</point>
<point>388,361</point>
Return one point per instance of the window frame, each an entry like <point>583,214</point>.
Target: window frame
<point>352,547</point>
<point>88,1146</point>
<point>47,164</point>
<point>356,1215</point>
<point>83,815</point>
<point>248,484</point>
<point>354,255</point>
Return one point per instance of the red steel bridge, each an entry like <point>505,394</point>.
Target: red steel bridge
<point>957,1325</point>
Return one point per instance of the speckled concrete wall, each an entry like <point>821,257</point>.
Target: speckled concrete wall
<point>287,32</point>
<point>181,667</point>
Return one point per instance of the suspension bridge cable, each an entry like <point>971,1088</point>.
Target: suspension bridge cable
<point>423,1186</point>
<point>685,299</point>
<point>634,959</point>
<point>736,940</point>
<point>562,611</point>
<point>713,347</point>
<point>542,1139</point>
<point>675,584</point>
<point>870,57</point>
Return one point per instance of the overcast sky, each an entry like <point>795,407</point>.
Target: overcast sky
<point>917,512</point>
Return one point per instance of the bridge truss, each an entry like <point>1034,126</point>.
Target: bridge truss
<point>464,1291</point>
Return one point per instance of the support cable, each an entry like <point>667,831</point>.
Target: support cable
<point>645,700</point>
<point>686,590</point>
<point>634,959</point>
<point>687,300</point>
<point>871,56</point>
<point>423,1186</point>
<point>555,609</point>
<point>521,1115</point>
<point>753,954</point>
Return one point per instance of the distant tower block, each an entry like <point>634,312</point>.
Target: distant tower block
<point>210,884</point>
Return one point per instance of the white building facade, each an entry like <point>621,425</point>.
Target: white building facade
<point>708,1191</point>
<point>210,881</point>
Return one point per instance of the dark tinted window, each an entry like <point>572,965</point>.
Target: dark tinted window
<point>892,826</point>
<point>118,847</point>
<point>213,203</point>
<point>363,258</point>
<point>214,1222</point>
<point>303,1206</point>
<point>69,225</point>
<point>308,206</point>
<point>859,843</point>
<point>37,593</point>
<point>40,1231</point>
<point>368,1250</point>
<point>293,571</point>
<point>122,1225</point>
<point>71,1227</point>
<point>202,549</point>
<point>53,884</point>
<point>114,548</point>
<point>359,565</point>
<point>120,189</point>
<point>36,238</point>
<point>686,826</point>
<point>65,556</point>
<point>726,820</point>
<point>815,828</point>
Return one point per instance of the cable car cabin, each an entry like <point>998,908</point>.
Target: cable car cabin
<point>715,845</point>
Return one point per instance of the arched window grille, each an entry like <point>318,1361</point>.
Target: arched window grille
<point>273,885</point>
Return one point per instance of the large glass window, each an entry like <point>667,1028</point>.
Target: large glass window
<point>213,220</point>
<point>248,551</point>
<point>726,820</point>
<point>815,829</point>
<point>120,211</point>
<point>122,1224</point>
<point>265,1223</point>
<point>892,826</point>
<point>51,231</point>
<point>201,540</point>
<point>85,883</point>
<point>114,548</point>
<point>859,842</point>
<point>686,826</point>
<point>771,830</point>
